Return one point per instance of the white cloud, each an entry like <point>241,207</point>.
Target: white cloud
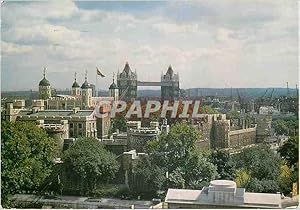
<point>212,40</point>
<point>13,49</point>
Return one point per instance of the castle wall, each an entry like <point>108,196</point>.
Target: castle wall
<point>220,134</point>
<point>243,137</point>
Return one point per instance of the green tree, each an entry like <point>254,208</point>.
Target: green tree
<point>289,151</point>
<point>199,171</point>
<point>232,115</point>
<point>87,163</point>
<point>27,155</point>
<point>176,154</point>
<point>150,177</point>
<point>260,161</point>
<point>224,163</point>
<point>242,178</point>
<point>119,122</point>
<point>262,165</point>
<point>285,179</point>
<point>262,186</point>
<point>208,110</point>
<point>280,127</point>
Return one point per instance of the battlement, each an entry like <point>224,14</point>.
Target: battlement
<point>143,131</point>
<point>114,141</point>
<point>68,98</point>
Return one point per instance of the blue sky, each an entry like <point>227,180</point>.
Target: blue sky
<point>209,43</point>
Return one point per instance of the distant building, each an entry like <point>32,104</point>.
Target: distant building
<point>139,136</point>
<point>127,83</point>
<point>220,194</point>
<point>80,96</point>
<point>170,85</point>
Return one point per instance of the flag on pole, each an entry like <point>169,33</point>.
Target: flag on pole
<point>99,72</point>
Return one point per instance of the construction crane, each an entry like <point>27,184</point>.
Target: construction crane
<point>241,100</point>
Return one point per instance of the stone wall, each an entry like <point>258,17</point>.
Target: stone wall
<point>243,137</point>
<point>220,134</point>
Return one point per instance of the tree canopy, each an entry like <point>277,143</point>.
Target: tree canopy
<point>261,166</point>
<point>27,157</point>
<point>87,163</point>
<point>289,151</point>
<point>175,155</point>
<point>224,163</point>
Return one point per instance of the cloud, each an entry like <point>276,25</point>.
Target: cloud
<point>222,42</point>
<point>13,49</point>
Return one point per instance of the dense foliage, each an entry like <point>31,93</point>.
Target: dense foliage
<point>88,164</point>
<point>289,152</point>
<point>258,169</point>
<point>27,155</point>
<point>224,163</point>
<point>175,160</point>
<point>286,127</point>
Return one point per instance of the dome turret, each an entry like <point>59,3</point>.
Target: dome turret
<point>44,81</point>
<point>113,84</point>
<point>75,84</point>
<point>85,85</point>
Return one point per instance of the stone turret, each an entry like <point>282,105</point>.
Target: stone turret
<point>170,85</point>
<point>44,87</point>
<point>75,87</point>
<point>87,93</point>
<point>114,90</point>
<point>127,83</point>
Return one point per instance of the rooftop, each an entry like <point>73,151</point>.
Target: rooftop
<point>223,193</point>
<point>58,113</point>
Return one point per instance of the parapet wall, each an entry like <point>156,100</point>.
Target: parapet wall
<point>243,137</point>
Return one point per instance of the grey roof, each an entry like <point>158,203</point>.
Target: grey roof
<point>113,86</point>
<point>58,113</point>
<point>242,198</point>
<point>44,82</point>
<point>127,68</point>
<point>85,85</point>
<point>170,71</point>
<point>75,84</point>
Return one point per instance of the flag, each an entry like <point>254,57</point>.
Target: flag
<point>99,72</point>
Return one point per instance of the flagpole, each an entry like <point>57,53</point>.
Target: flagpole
<point>96,84</point>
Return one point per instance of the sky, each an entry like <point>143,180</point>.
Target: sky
<point>209,43</point>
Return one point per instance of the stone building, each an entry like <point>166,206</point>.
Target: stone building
<point>114,90</point>
<point>139,136</point>
<point>170,85</point>
<point>220,133</point>
<point>81,123</point>
<point>127,83</point>
<point>44,88</point>
<point>12,109</point>
<point>80,96</point>
<point>220,194</point>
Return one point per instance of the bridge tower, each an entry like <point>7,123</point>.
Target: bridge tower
<point>127,83</point>
<point>170,85</point>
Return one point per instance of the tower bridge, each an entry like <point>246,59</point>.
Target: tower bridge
<point>166,84</point>
<point>128,83</point>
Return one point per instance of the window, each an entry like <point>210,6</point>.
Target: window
<point>80,125</point>
<point>71,125</point>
